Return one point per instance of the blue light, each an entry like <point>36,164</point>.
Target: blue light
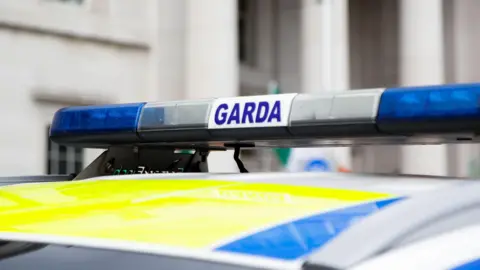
<point>88,120</point>
<point>431,102</point>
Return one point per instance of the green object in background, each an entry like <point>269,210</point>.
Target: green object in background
<point>184,151</point>
<point>282,154</point>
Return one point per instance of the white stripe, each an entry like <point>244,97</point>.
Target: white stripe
<point>153,176</point>
<point>130,246</point>
<point>442,252</point>
<point>271,176</point>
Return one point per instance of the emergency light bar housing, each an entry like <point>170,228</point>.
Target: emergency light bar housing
<point>405,115</point>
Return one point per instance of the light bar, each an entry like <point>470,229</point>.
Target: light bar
<point>107,124</point>
<point>448,108</point>
<point>395,114</point>
<point>182,120</point>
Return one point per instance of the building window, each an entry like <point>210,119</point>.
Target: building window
<point>246,31</point>
<point>63,159</point>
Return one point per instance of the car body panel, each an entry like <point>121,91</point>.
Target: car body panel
<point>456,250</point>
<point>166,256</point>
<point>418,218</point>
<point>263,215</point>
<point>399,185</point>
<point>197,214</point>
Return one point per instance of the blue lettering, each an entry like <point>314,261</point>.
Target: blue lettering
<point>275,114</point>
<point>221,117</point>
<point>262,114</point>
<point>235,115</point>
<point>248,112</point>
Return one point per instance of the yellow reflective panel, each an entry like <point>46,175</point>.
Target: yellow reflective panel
<point>182,213</point>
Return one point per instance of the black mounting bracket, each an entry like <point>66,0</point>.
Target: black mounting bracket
<point>146,160</point>
<point>236,157</point>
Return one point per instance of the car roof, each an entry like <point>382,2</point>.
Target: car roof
<point>451,250</point>
<point>395,184</point>
<point>273,219</point>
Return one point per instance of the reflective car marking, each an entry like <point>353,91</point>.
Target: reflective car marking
<point>295,239</point>
<point>179,213</point>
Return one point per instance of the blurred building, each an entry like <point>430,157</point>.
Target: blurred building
<point>57,53</point>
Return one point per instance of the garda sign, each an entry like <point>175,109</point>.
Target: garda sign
<point>251,111</point>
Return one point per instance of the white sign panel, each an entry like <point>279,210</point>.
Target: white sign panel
<point>251,111</point>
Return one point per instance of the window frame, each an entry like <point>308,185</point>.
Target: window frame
<point>247,38</point>
<point>72,157</point>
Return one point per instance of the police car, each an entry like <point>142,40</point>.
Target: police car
<point>124,212</point>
